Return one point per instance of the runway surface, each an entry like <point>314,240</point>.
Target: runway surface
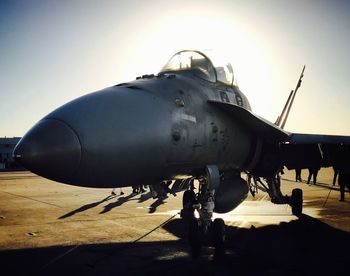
<point>50,228</point>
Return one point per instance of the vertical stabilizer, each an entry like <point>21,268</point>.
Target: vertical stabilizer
<point>282,119</point>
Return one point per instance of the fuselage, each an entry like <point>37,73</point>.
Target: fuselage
<point>151,129</point>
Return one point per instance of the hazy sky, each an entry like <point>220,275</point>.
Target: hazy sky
<point>54,51</point>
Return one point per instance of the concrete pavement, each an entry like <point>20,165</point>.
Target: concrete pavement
<point>51,228</point>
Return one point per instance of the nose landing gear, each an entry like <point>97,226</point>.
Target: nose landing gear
<point>206,235</point>
<point>202,230</point>
<point>296,202</point>
<point>188,201</point>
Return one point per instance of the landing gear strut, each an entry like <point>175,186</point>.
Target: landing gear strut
<point>204,231</point>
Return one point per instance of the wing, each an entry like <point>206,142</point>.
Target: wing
<point>296,150</point>
<point>314,150</point>
<point>257,124</point>
<point>297,138</point>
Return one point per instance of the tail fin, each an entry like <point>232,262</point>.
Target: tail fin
<point>282,119</point>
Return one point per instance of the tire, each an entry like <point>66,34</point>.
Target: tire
<point>297,202</point>
<point>218,235</point>
<point>194,237</point>
<point>188,199</point>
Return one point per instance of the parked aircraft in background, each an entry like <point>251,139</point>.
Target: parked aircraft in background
<point>189,122</point>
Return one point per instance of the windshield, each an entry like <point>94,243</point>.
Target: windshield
<point>224,70</point>
<point>214,69</point>
<point>193,61</point>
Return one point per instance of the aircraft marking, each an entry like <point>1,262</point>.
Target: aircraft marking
<point>188,118</point>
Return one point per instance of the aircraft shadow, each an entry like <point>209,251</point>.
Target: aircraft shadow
<point>300,247</point>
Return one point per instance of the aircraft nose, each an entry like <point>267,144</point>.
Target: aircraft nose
<point>51,149</point>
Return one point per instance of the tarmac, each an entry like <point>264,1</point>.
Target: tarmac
<point>49,228</point>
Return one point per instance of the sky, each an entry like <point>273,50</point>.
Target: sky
<point>52,52</point>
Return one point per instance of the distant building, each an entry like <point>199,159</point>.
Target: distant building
<point>6,148</point>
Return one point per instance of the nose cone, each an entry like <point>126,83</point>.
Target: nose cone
<point>51,149</point>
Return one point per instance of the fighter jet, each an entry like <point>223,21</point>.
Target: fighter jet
<point>189,122</point>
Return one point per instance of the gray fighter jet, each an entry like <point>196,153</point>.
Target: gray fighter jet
<point>189,122</point>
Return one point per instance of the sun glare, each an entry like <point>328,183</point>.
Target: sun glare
<point>206,31</point>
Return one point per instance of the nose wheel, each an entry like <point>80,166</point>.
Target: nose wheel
<point>188,200</point>
<point>218,236</point>
<point>204,231</point>
<point>296,202</point>
<point>195,237</point>
<point>200,235</point>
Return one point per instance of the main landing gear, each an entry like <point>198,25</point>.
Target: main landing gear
<point>202,230</point>
<point>272,185</point>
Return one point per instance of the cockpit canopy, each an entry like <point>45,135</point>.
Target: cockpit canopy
<point>212,70</point>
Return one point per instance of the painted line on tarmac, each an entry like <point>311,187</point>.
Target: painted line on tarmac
<point>325,202</point>
<point>18,177</point>
<point>58,257</point>
<point>32,199</point>
<point>154,229</point>
<point>54,260</point>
